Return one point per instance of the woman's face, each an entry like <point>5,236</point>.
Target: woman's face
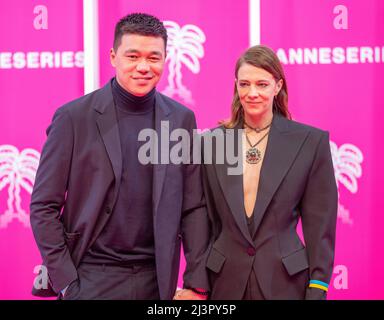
<point>256,88</point>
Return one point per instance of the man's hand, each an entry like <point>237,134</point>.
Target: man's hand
<point>188,294</point>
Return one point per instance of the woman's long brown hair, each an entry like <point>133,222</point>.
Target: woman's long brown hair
<point>261,57</point>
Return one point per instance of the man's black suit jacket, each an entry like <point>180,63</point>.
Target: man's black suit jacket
<point>78,180</point>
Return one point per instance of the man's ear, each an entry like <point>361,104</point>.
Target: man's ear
<point>112,56</point>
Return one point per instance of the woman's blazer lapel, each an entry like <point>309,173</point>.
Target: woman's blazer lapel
<point>284,143</point>
<point>283,146</point>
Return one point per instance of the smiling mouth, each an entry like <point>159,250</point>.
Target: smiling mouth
<point>146,78</point>
<point>142,81</point>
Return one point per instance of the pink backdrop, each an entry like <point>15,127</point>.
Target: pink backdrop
<point>28,98</point>
<point>344,98</point>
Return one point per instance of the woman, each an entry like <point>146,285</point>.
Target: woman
<point>287,175</point>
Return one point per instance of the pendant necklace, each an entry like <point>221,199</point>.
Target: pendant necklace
<point>253,154</point>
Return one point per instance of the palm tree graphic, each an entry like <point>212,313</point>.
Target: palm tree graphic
<point>347,161</point>
<point>17,170</point>
<point>184,47</point>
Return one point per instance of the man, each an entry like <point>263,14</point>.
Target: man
<point>108,226</point>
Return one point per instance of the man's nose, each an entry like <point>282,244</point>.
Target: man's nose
<point>142,66</point>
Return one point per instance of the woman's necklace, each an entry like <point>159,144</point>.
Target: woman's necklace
<point>253,154</point>
<point>257,129</point>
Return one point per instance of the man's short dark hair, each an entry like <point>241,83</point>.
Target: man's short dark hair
<point>141,24</point>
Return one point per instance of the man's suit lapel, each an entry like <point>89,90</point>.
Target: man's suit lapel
<point>283,145</point>
<point>109,131</point>
<point>163,124</point>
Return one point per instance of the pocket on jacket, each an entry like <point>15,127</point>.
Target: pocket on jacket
<point>70,238</point>
<point>215,261</point>
<point>296,261</point>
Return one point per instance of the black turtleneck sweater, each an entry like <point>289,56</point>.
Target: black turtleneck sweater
<point>128,235</point>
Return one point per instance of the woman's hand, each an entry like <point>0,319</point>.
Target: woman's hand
<point>188,294</point>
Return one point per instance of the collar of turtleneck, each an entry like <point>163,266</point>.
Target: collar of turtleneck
<point>128,102</point>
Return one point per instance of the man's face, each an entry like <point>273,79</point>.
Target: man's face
<point>139,62</point>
